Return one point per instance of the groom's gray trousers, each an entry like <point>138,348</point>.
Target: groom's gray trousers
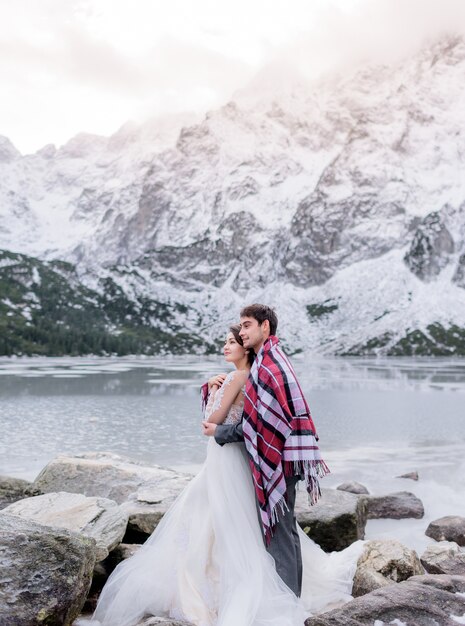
<point>285,544</point>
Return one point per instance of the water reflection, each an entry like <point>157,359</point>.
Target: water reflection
<point>63,375</point>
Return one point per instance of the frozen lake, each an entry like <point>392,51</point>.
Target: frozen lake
<point>376,418</point>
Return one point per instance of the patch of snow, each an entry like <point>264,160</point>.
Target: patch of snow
<point>36,276</point>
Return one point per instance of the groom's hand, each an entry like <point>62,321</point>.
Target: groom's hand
<point>209,429</point>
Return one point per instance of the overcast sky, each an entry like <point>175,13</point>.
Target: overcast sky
<point>90,65</point>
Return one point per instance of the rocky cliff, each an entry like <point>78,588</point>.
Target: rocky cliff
<point>342,203</point>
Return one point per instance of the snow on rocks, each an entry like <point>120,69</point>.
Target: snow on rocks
<point>317,176</point>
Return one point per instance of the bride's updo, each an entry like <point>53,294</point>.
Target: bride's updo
<point>235,330</point>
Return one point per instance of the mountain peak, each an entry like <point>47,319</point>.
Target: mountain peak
<point>83,145</point>
<point>8,152</point>
<point>274,80</point>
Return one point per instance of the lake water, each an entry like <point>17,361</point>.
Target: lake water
<point>376,419</point>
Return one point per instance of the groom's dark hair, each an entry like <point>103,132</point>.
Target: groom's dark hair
<point>261,312</point>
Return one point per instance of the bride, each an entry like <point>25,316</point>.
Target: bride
<point>206,561</point>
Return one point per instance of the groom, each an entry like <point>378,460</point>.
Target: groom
<point>280,439</point>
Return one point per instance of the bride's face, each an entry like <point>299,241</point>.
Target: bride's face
<point>232,350</point>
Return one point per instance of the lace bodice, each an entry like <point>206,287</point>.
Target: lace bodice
<point>234,415</point>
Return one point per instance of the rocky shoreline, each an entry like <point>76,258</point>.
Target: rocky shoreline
<point>63,534</point>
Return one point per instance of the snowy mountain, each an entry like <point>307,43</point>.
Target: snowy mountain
<point>342,203</point>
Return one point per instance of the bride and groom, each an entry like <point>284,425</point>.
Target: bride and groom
<point>229,552</point>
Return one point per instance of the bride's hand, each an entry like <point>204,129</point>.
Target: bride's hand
<point>209,429</point>
<point>217,380</point>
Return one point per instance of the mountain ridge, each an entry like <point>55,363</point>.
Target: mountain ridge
<point>285,199</point>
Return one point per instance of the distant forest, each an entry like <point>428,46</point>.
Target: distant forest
<point>45,310</point>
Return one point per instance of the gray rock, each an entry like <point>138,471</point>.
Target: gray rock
<point>411,475</point>
<point>144,516</point>
<point>144,491</point>
<point>419,601</point>
<point>336,521</point>
<point>444,557</point>
<point>353,487</point>
<point>110,476</point>
<point>99,577</point>
<point>431,247</point>
<point>162,621</point>
<point>99,518</point>
<point>12,489</point>
<point>147,621</point>
<point>384,563</point>
<point>398,505</point>
<point>459,274</point>
<point>102,571</point>
<point>125,551</point>
<point>46,573</point>
<point>448,528</point>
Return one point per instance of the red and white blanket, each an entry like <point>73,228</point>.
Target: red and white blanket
<point>279,433</point>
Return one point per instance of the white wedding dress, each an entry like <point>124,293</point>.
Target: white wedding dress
<point>206,562</point>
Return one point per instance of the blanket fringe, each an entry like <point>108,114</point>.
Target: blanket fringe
<point>312,471</point>
<point>279,508</point>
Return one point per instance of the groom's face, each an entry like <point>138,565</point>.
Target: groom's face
<point>251,333</point>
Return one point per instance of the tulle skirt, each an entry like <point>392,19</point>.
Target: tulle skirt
<point>206,562</point>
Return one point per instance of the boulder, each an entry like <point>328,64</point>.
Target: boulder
<point>337,520</point>
<point>147,621</point>
<point>12,489</point>
<point>144,515</point>
<point>399,505</point>
<point>99,578</point>
<point>411,475</point>
<point>419,601</point>
<point>448,528</point>
<point>99,518</point>
<point>384,563</point>
<point>353,487</point>
<point>45,573</point>
<point>102,571</point>
<point>144,491</point>
<point>123,551</point>
<point>162,621</point>
<point>444,557</point>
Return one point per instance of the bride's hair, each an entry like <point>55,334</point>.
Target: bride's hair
<point>235,330</point>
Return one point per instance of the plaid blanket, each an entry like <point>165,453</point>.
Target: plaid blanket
<point>279,434</point>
